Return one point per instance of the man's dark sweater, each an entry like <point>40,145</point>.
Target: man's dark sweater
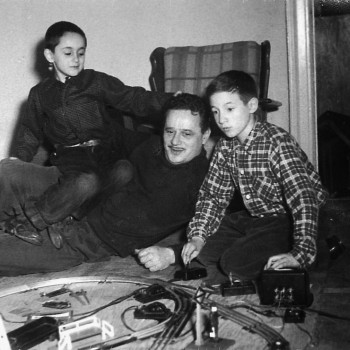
<point>159,199</point>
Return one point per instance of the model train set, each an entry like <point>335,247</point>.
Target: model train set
<point>118,312</point>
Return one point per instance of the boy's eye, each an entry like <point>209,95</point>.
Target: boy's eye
<point>187,133</point>
<point>168,132</point>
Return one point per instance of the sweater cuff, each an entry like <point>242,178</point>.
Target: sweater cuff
<point>177,248</point>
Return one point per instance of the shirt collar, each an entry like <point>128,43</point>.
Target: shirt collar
<point>252,136</point>
<point>71,80</point>
<point>249,140</point>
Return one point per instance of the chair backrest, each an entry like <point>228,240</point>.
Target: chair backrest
<point>191,68</point>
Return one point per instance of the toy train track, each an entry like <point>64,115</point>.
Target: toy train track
<point>171,326</point>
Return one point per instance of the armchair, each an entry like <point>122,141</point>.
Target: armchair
<point>191,68</point>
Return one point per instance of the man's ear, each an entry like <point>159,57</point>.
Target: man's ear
<point>253,105</point>
<point>206,136</point>
<point>49,55</point>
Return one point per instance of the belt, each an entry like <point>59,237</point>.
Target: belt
<point>90,143</point>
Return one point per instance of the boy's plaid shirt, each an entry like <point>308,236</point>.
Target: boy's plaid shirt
<point>274,177</point>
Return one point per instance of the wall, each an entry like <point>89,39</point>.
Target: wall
<point>333,69</point>
<point>122,34</point>
<point>333,91</point>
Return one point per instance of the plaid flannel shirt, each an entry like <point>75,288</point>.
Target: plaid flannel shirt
<point>273,175</point>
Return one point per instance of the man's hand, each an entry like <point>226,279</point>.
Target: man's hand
<point>281,261</point>
<point>156,258</point>
<point>192,249</point>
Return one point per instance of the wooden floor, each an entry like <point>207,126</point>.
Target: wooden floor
<point>323,328</point>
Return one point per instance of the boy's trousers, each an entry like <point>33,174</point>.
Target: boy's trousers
<point>243,244</point>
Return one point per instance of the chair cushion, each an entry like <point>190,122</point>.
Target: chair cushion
<point>191,68</point>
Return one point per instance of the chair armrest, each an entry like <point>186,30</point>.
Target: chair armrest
<point>156,78</point>
<point>269,105</point>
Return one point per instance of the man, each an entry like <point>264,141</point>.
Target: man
<point>165,176</point>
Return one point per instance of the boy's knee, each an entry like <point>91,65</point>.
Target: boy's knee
<point>122,172</point>
<point>11,170</point>
<point>6,166</point>
<point>240,266</point>
<point>88,184</point>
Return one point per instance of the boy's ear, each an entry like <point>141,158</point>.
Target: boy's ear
<point>48,55</point>
<point>253,105</point>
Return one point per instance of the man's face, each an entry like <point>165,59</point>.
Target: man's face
<point>182,136</point>
<point>69,56</point>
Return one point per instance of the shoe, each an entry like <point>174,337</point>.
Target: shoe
<point>23,230</point>
<point>55,236</point>
<point>59,230</point>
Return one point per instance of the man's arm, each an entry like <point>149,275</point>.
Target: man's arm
<point>156,258</point>
<point>126,140</point>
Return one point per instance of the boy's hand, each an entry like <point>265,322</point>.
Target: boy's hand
<point>192,249</point>
<point>156,258</point>
<point>281,261</point>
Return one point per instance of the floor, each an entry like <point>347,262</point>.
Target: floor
<point>326,325</point>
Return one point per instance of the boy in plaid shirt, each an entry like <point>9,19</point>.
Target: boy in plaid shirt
<point>281,191</point>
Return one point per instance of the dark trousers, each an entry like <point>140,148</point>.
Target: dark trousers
<point>21,181</point>
<point>84,172</point>
<point>243,244</point>
<point>45,195</point>
<point>18,257</point>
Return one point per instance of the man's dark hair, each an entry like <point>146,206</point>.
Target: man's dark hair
<point>233,81</point>
<point>57,30</point>
<point>190,102</point>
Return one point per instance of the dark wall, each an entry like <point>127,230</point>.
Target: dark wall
<point>333,63</point>
<point>333,101</point>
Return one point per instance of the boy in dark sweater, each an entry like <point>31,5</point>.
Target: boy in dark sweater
<point>68,110</point>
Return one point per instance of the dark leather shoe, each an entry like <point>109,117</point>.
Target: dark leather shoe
<point>24,230</point>
<point>55,236</point>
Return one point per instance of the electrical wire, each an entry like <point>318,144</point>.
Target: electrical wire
<point>113,302</point>
<point>327,314</point>
<point>122,317</point>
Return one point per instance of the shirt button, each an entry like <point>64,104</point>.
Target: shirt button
<point>261,215</point>
<point>247,196</point>
<point>241,171</point>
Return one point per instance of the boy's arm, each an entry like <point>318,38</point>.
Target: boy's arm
<point>129,99</point>
<point>213,199</point>
<point>303,193</point>
<point>29,136</point>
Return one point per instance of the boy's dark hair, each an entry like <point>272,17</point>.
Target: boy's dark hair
<point>57,30</point>
<point>234,81</point>
<point>190,102</point>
